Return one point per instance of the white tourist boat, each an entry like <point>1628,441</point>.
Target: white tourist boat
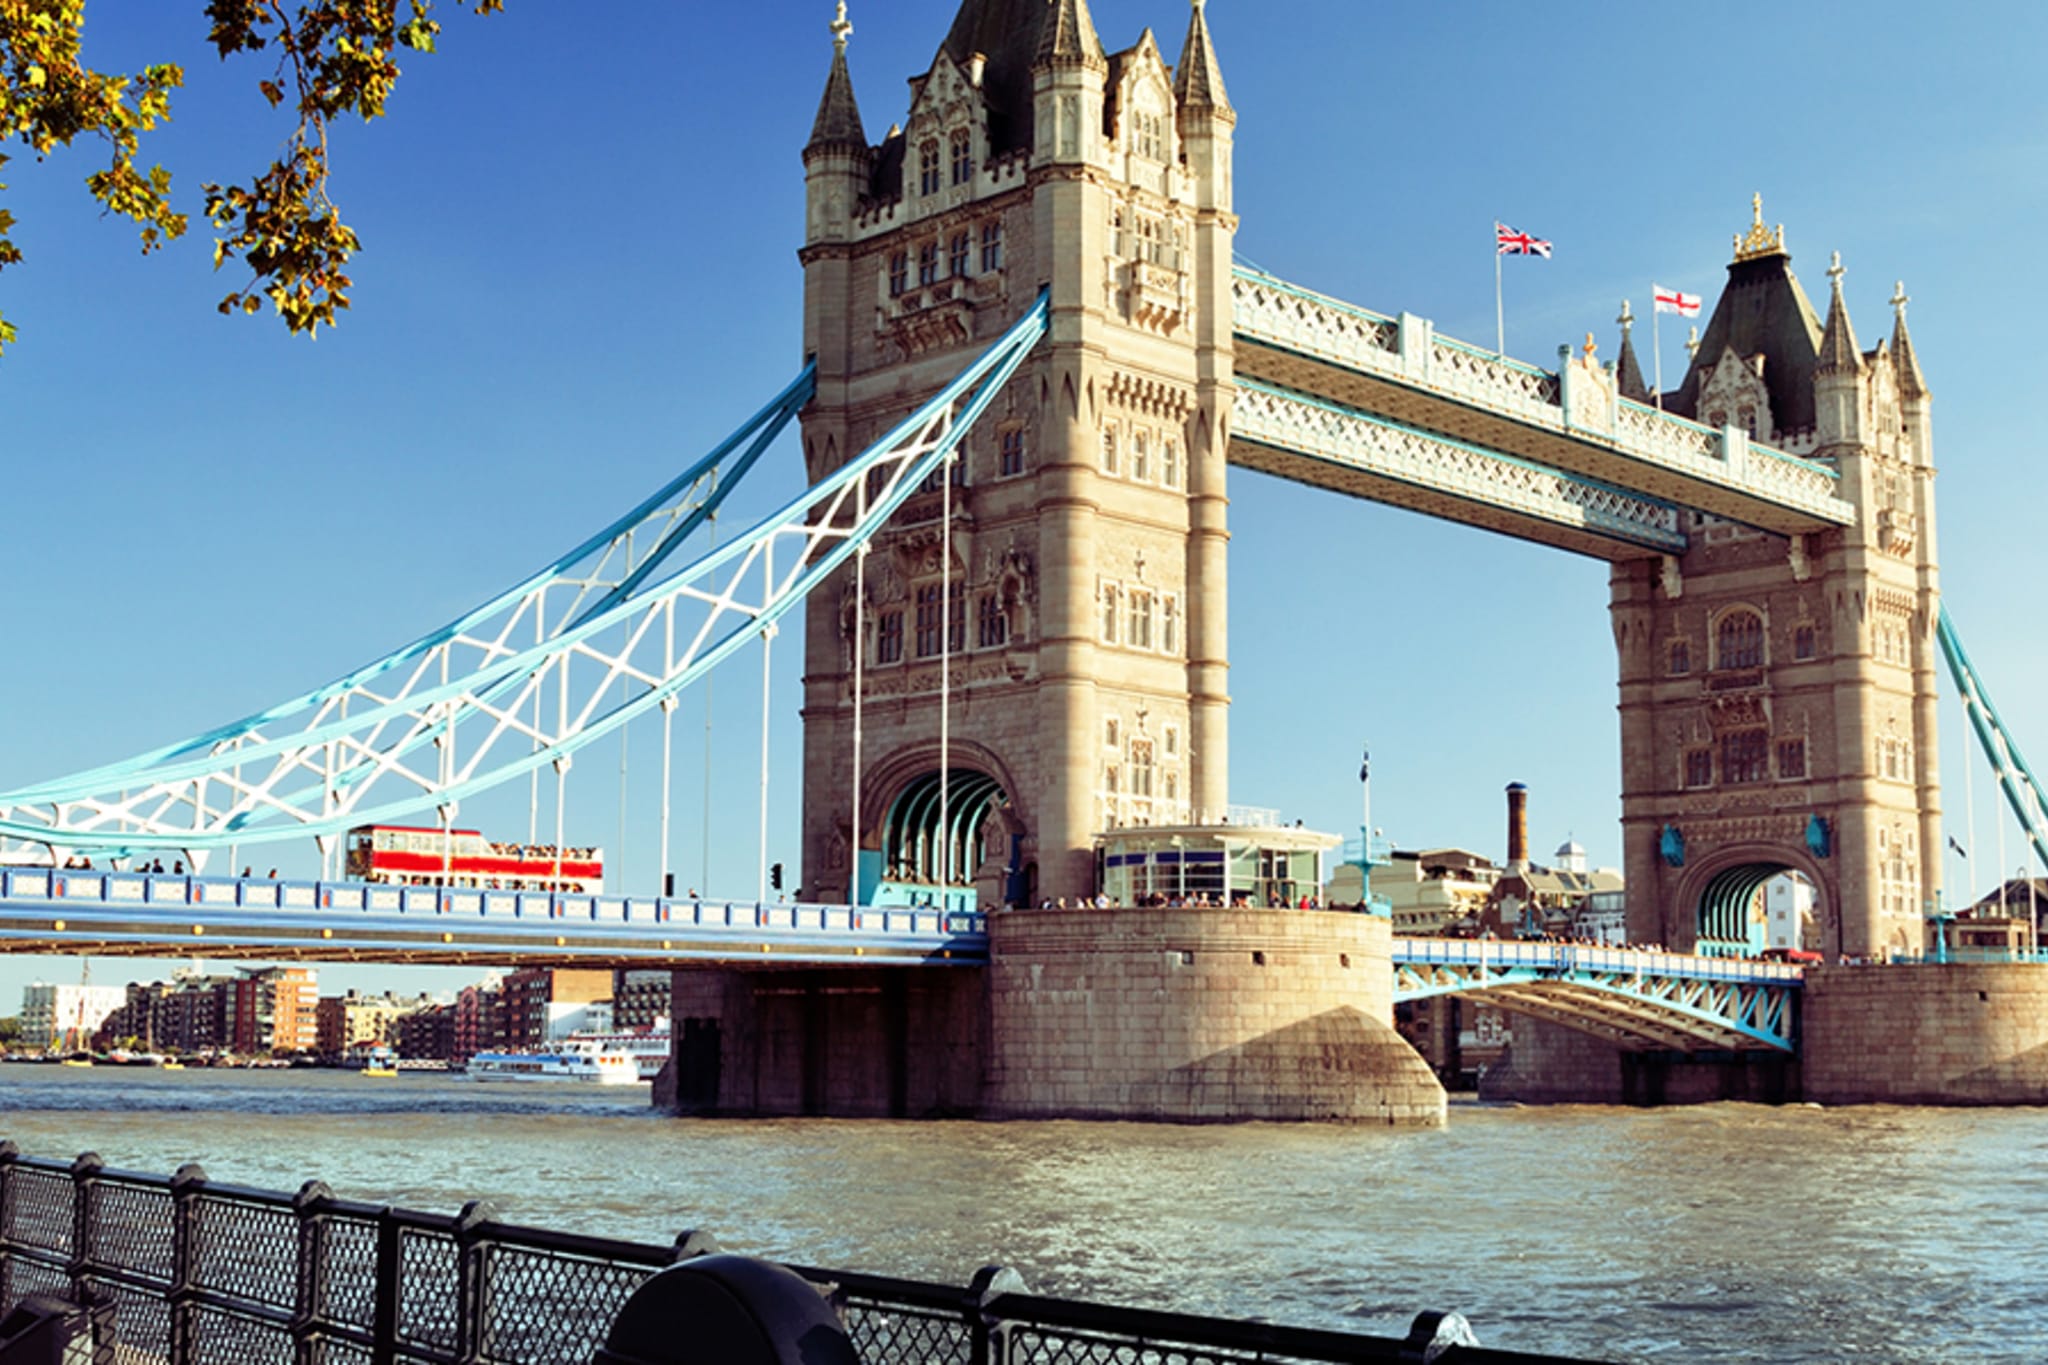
<point>592,1058</point>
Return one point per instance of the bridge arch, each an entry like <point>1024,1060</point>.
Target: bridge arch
<point>905,842</point>
<point>1719,903</point>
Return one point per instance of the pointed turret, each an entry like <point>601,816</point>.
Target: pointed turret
<point>838,122</point>
<point>1628,374</point>
<point>1762,312</point>
<point>1912,383</point>
<point>1068,36</point>
<point>1839,353</point>
<point>1197,80</point>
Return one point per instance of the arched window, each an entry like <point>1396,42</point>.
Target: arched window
<point>1141,461</point>
<point>928,168</point>
<point>1739,641</point>
<point>1141,767</point>
<point>1680,662</point>
<point>1109,451</point>
<point>899,273</point>
<point>1109,605</point>
<point>963,157</point>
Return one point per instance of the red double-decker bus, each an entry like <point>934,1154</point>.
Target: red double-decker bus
<point>404,856</point>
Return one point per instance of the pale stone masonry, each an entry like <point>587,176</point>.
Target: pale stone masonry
<point>1778,695</point>
<point>1088,529</point>
<point>1199,1015</point>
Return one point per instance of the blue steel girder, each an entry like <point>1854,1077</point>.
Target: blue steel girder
<point>430,725</point>
<point>1326,445</point>
<point>1637,1000</point>
<point>1307,342</point>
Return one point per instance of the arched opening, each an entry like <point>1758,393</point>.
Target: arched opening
<point>1751,907</point>
<point>928,854</point>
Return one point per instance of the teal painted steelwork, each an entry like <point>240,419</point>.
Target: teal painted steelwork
<point>910,843</point>
<point>1730,922</point>
<point>178,798</point>
<point>1635,998</point>
<point>2022,791</point>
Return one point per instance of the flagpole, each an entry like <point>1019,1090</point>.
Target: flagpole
<point>1656,346</point>
<point>1500,317</point>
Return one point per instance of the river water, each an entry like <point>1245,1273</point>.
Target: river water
<point>1712,1233</point>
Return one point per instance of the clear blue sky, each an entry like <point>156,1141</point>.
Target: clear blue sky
<point>580,226</point>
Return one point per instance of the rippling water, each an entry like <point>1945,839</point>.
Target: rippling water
<point>1716,1233</point>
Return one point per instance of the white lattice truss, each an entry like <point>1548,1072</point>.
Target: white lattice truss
<point>528,678</point>
<point>1264,415</point>
<point>1267,311</point>
<point>1638,1006</point>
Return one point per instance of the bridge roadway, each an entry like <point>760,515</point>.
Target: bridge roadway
<point>1635,998</point>
<point>1339,397</point>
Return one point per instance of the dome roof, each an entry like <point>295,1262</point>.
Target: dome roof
<point>1570,848</point>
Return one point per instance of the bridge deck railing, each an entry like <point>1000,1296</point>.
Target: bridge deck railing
<point>1407,351</point>
<point>199,1273</point>
<point>1569,957</point>
<point>165,891</point>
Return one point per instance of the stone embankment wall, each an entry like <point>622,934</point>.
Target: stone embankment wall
<point>1199,1015</point>
<point>1927,1034</point>
<point>1551,1064</point>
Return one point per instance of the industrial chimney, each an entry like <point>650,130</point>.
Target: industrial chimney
<point>1518,827</point>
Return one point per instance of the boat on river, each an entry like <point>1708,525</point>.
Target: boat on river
<point>591,1058</point>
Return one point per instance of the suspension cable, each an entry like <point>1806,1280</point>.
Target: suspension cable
<point>860,650</point>
<point>946,665</point>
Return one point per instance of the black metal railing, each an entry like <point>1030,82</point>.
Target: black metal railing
<point>192,1272</point>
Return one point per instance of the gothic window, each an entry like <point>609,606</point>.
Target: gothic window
<point>899,273</point>
<point>963,157</point>
<point>1109,733</point>
<point>1173,786</point>
<point>1109,450</point>
<point>889,638</point>
<point>1791,758</point>
<point>1141,462</point>
<point>1169,464</point>
<point>991,246</point>
<point>930,613</point>
<point>1118,244</point>
<point>956,254</point>
<point>1109,606</point>
<point>1717,419</point>
<point>928,168</point>
<point>1699,768</point>
<point>1012,453</point>
<point>1169,629</point>
<point>928,263</point>
<point>1679,662</point>
<point>930,482</point>
<point>1739,641</point>
<point>1140,634</point>
<point>1141,767</point>
<point>1110,781</point>
<point>1803,646</point>
<point>1173,741</point>
<point>1745,757</point>
<point>1745,417</point>
<point>1148,135</point>
<point>991,623</point>
<point>1148,238</point>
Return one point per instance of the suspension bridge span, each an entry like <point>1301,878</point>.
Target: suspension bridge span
<point>1033,356</point>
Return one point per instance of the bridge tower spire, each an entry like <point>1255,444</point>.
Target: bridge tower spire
<point>1778,694</point>
<point>1082,609</point>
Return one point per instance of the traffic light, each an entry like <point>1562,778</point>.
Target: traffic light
<point>775,875</point>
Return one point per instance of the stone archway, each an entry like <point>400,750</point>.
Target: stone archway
<point>1720,901</point>
<point>920,839</point>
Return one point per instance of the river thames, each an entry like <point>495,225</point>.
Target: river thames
<point>1711,1233</point>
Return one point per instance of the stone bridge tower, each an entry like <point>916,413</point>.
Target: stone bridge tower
<point>1778,696</point>
<point>1082,614</point>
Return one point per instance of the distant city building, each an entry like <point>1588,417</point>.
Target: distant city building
<point>477,1021</point>
<point>639,997</point>
<point>66,1015</point>
<point>352,1022</point>
<point>544,1003</point>
<point>273,1009</point>
<point>1431,890</point>
<point>426,1034</point>
<point>1788,909</point>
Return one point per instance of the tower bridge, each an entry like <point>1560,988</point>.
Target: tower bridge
<point>1032,358</point>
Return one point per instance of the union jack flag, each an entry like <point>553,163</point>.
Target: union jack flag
<point>1508,242</point>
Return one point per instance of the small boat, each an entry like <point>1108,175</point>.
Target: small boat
<point>171,1064</point>
<point>382,1061</point>
<point>78,1061</point>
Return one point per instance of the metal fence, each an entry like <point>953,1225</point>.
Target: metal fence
<point>190,1272</point>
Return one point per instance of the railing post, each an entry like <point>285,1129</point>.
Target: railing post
<point>988,1337</point>
<point>85,1209</point>
<point>390,1278</point>
<point>472,1281</point>
<point>188,1184</point>
<point>9,1155</point>
<point>309,1206</point>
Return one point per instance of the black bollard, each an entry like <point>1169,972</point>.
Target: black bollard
<point>727,1310</point>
